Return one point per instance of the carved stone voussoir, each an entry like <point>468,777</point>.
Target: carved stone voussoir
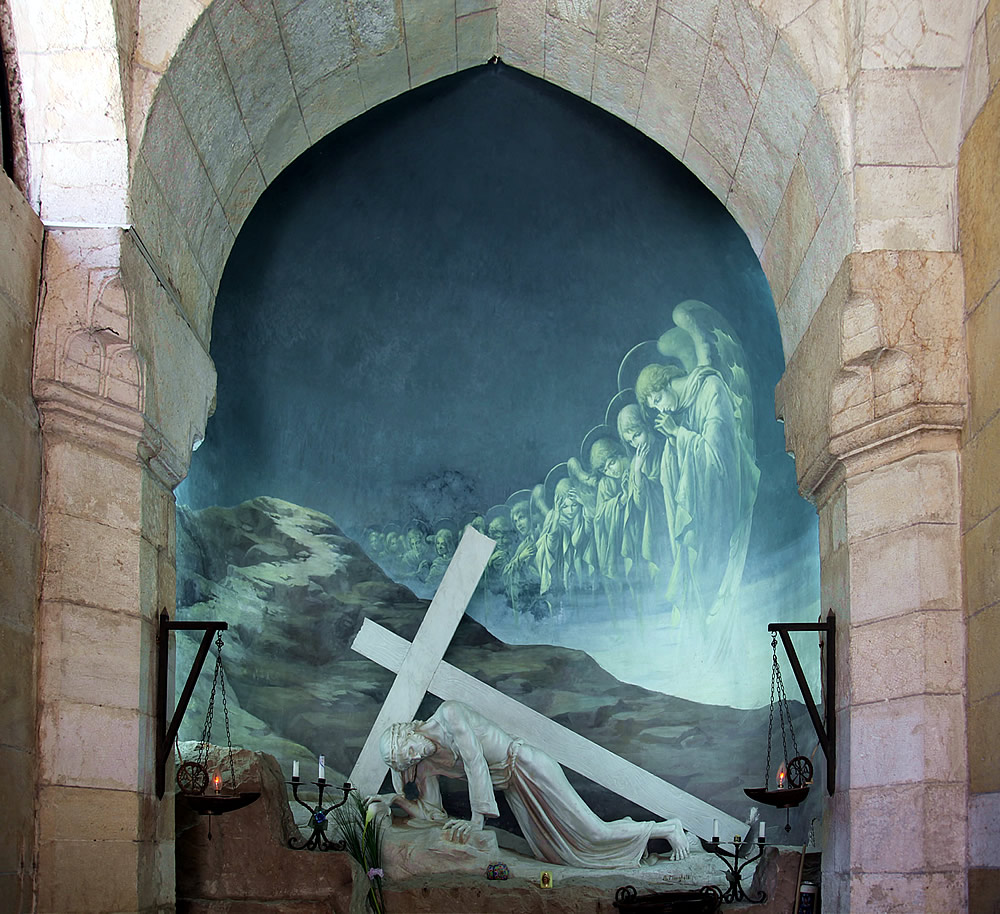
<point>880,373</point>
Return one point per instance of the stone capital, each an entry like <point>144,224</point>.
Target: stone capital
<point>100,422</point>
<point>138,388</point>
<point>87,417</point>
<point>881,370</point>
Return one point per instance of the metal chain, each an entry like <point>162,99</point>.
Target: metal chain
<point>206,732</point>
<point>784,711</point>
<point>770,716</point>
<point>225,707</point>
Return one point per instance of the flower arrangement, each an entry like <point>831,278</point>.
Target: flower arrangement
<point>361,829</point>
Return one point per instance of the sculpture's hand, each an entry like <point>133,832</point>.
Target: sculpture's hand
<point>458,830</point>
<point>383,801</point>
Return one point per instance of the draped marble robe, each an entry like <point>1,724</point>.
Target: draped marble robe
<point>557,824</point>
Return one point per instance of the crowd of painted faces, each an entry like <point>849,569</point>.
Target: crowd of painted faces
<point>656,512</point>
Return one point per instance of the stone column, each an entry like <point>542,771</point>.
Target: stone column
<point>874,400</point>
<point>20,538</point>
<point>105,843</point>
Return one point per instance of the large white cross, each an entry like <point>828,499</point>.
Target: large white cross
<point>420,668</point>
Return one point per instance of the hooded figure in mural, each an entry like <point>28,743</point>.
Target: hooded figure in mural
<point>709,478</point>
<point>567,556</point>
<point>458,742</point>
<point>520,575</point>
<point>608,462</point>
<point>444,549</point>
<point>649,556</point>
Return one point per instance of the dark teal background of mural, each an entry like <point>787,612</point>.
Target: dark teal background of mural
<point>428,309</point>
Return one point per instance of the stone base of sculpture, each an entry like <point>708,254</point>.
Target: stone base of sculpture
<point>415,851</point>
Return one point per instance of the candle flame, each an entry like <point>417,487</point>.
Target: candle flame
<point>782,777</point>
<point>217,781</point>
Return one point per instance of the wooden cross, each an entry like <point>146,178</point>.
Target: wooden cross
<point>419,668</point>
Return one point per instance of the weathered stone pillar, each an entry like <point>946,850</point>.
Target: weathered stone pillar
<point>874,402</point>
<point>105,841</point>
<point>95,616</point>
<point>20,538</point>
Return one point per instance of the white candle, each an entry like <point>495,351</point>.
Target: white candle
<point>295,770</point>
<point>715,829</point>
<point>322,768</point>
<point>760,832</point>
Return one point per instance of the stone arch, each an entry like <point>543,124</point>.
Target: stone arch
<point>884,469</point>
<point>253,86</point>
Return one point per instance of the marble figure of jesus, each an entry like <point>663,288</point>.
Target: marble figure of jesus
<point>458,742</point>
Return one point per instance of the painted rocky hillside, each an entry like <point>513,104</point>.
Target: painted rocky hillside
<point>295,590</point>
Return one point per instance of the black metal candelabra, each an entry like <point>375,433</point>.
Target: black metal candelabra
<point>319,818</point>
<point>736,861</point>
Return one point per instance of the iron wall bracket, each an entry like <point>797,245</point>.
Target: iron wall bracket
<point>825,728</point>
<point>165,734</point>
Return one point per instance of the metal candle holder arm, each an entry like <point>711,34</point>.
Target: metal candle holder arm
<point>166,734</point>
<point>827,734</point>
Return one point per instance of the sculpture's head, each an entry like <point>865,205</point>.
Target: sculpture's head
<point>403,745</point>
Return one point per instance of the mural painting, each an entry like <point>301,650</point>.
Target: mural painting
<point>650,521</point>
<point>488,303</point>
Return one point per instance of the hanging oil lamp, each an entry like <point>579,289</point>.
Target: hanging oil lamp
<point>794,775</point>
<point>193,775</point>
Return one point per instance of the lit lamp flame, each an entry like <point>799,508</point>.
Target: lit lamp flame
<point>217,781</point>
<point>782,777</point>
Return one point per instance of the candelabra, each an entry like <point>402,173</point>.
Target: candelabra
<point>736,861</point>
<point>319,817</point>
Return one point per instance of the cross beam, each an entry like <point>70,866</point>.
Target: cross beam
<point>417,667</point>
<point>420,668</point>
<point>568,748</point>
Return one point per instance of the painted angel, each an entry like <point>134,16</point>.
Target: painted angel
<point>700,395</point>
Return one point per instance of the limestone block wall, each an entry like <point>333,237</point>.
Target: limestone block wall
<point>115,443</point>
<point>70,66</point>
<point>979,225</point>
<point>719,84</point>
<point>873,400</point>
<point>20,487</point>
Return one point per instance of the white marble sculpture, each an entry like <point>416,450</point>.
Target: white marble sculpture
<point>458,742</point>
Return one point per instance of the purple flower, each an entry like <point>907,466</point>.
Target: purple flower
<point>375,871</point>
